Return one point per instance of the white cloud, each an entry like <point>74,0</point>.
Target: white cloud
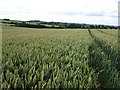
<point>79,11</point>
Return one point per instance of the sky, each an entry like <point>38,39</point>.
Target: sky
<point>72,11</point>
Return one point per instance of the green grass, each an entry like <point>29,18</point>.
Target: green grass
<point>59,58</point>
<point>109,36</point>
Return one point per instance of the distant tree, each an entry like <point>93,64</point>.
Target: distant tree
<point>6,19</point>
<point>52,26</point>
<point>23,23</point>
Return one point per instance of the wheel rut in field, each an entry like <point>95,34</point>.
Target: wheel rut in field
<point>105,33</point>
<point>104,59</point>
<point>111,53</point>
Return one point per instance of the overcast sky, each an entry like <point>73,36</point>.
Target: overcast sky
<point>76,11</point>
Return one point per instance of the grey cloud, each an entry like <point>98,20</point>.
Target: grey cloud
<point>113,14</point>
<point>67,13</point>
<point>95,14</point>
<point>80,13</point>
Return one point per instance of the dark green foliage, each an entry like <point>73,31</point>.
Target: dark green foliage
<point>39,24</point>
<point>24,24</point>
<point>6,19</point>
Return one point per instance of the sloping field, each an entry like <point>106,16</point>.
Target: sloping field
<point>59,58</point>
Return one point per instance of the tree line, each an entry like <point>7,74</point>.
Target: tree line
<point>42,24</point>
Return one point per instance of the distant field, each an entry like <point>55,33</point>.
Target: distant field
<point>60,58</point>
